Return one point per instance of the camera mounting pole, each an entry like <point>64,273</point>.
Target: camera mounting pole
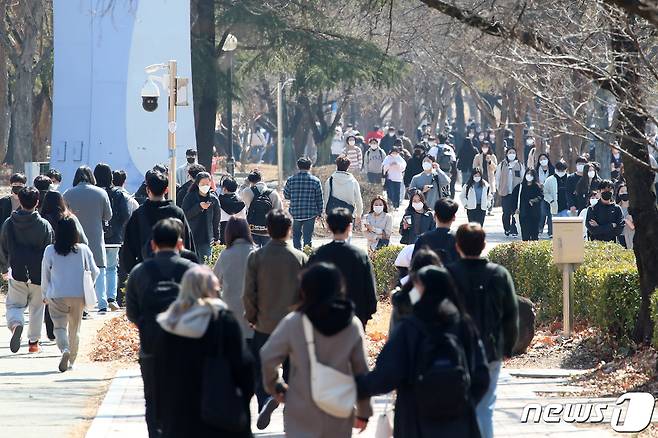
<point>171,129</point>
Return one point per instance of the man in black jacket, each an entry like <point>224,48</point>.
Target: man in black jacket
<point>414,165</point>
<point>166,266</point>
<point>352,262</point>
<point>488,292</point>
<point>605,220</point>
<point>140,224</point>
<point>572,182</point>
<point>181,191</point>
<point>10,203</point>
<point>23,238</point>
<point>440,240</point>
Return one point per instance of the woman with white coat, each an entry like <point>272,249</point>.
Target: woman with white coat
<point>476,197</point>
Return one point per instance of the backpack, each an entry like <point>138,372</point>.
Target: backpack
<point>112,229</point>
<point>441,381</point>
<point>163,290</point>
<point>25,260</point>
<point>445,161</point>
<point>258,209</point>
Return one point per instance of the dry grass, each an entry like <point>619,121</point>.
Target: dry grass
<point>377,331</point>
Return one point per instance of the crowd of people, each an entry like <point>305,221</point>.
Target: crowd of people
<point>269,321</point>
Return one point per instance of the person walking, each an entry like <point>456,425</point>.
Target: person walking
<point>626,239</point>
<point>338,342</point>
<point>414,164</point>
<point>529,196</point>
<point>304,191</point>
<point>230,205</point>
<point>386,142</point>
<point>436,406</point>
<point>432,181</point>
<point>476,197</point>
<point>572,183</point>
<point>555,191</point>
<point>91,206</point>
<point>394,167</point>
<point>259,200</point>
<point>137,240</point>
<point>417,219</point>
<point>341,189</point>
<point>23,239</point>
<point>605,220</point>
<point>230,269</point>
<point>466,155</point>
<point>270,288</point>
<point>62,286</point>
<point>55,178</point>
<point>378,224</point>
<point>182,171</point>
<point>544,170</point>
<point>487,162</point>
<point>353,153</point>
<point>487,290</point>
<point>373,159</point>
<point>196,328</point>
<point>509,175</point>
<point>352,262</point>
<point>10,203</point>
<point>202,211</point>
<point>587,184</point>
<point>113,229</point>
<point>42,183</point>
<point>440,239</point>
<point>119,181</point>
<point>152,286</point>
<point>181,191</point>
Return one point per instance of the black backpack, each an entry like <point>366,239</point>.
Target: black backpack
<point>25,260</point>
<point>258,209</point>
<point>441,381</point>
<point>113,229</point>
<point>163,290</point>
<point>487,316</point>
<point>445,161</point>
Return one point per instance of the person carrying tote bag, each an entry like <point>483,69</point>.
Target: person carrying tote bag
<point>320,395</point>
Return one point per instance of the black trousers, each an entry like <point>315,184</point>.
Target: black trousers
<point>476,215</point>
<point>49,323</point>
<point>509,208</point>
<point>257,343</point>
<point>148,367</point>
<point>528,229</point>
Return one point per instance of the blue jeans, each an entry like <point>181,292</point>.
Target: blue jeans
<point>302,228</point>
<point>101,289</point>
<point>485,409</point>
<point>563,213</point>
<point>545,216</point>
<point>259,240</point>
<point>111,277</point>
<point>203,250</point>
<point>374,178</point>
<point>393,192</point>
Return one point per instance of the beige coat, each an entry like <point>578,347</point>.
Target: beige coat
<point>491,168</point>
<point>344,351</point>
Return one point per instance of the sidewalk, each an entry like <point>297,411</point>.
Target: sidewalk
<point>121,414</point>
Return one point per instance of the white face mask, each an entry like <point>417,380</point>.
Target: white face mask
<point>204,189</point>
<point>529,142</point>
<point>591,174</point>
<point>477,179</point>
<point>481,137</point>
<point>593,201</point>
<point>511,157</point>
<point>378,209</point>
<point>529,178</point>
<point>471,135</point>
<point>54,187</point>
<point>543,162</point>
<point>579,168</point>
<point>351,142</point>
<point>560,173</point>
<point>373,146</point>
<point>418,206</point>
<point>492,137</point>
<point>426,165</point>
<point>414,296</point>
<point>391,133</point>
<point>485,150</point>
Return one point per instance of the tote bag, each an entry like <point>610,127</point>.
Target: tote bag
<point>332,391</point>
<point>88,286</point>
<point>384,428</point>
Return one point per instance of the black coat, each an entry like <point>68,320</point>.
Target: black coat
<point>358,275</point>
<point>465,156</point>
<point>610,220</point>
<point>414,167</point>
<point>441,241</point>
<point>203,223</point>
<point>179,378</point>
<point>410,235</point>
<point>396,369</point>
<point>386,143</point>
<point>529,192</point>
<point>5,208</point>
<point>138,230</point>
<point>119,201</point>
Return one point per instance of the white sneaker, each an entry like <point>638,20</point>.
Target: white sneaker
<point>113,306</point>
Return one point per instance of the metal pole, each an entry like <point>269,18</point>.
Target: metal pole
<point>230,163</point>
<point>279,132</point>
<point>171,127</point>
<point>567,311</point>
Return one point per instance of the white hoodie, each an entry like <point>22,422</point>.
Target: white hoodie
<point>192,323</point>
<point>346,188</point>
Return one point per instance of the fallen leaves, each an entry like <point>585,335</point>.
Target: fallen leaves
<point>118,340</point>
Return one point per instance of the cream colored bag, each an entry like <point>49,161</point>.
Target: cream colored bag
<point>88,286</point>
<point>332,391</point>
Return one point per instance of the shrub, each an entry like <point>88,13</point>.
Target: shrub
<point>654,317</point>
<point>383,262</point>
<point>216,250</point>
<point>605,289</point>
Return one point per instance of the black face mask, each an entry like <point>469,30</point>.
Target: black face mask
<point>16,189</point>
<point>191,160</point>
<point>623,197</point>
<point>606,196</point>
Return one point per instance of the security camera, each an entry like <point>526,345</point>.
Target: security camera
<point>150,95</point>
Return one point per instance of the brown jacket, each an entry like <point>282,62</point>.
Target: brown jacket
<point>271,284</point>
<point>502,176</point>
<point>491,168</point>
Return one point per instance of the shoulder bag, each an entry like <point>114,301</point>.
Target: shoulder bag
<point>88,286</point>
<point>332,391</point>
<point>334,202</point>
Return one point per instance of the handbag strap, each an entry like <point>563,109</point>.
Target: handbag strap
<point>310,342</point>
<point>331,186</point>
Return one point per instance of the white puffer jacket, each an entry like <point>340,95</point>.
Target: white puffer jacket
<point>470,201</point>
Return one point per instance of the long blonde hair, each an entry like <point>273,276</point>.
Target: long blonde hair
<point>198,286</point>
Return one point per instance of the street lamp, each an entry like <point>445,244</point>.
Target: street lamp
<point>177,96</point>
<point>279,129</point>
<point>230,44</point>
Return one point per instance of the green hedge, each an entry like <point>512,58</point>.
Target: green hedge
<point>383,262</point>
<point>606,286</point>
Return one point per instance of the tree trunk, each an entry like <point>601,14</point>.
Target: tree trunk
<point>460,118</point>
<point>204,78</point>
<point>4,103</point>
<point>23,123</point>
